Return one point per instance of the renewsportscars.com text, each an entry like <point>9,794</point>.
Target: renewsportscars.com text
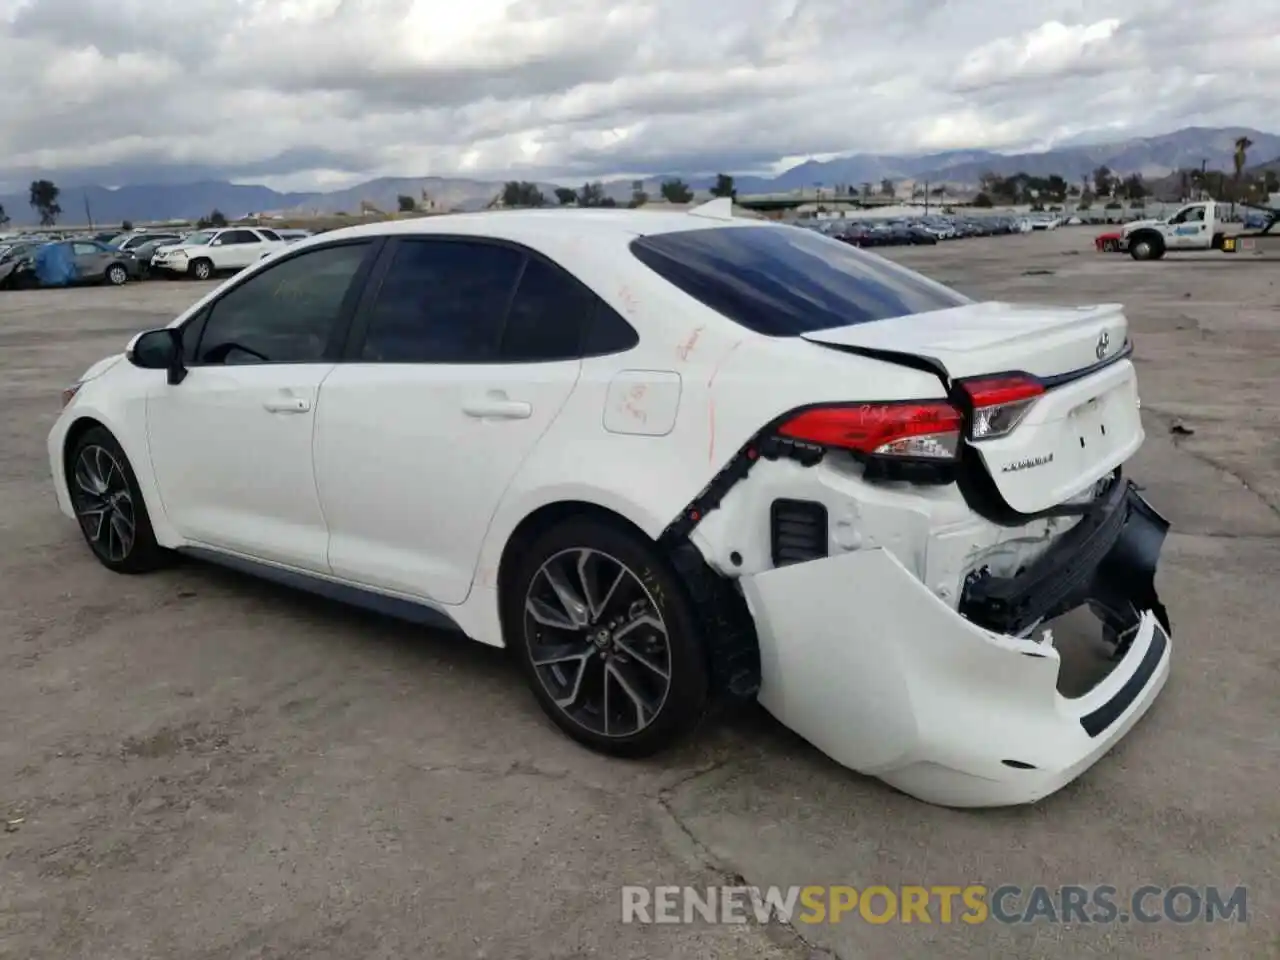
<point>970,904</point>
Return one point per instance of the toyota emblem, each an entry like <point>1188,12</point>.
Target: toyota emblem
<point>1104,341</point>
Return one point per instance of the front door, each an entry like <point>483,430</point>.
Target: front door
<point>231,444</point>
<point>452,382</point>
<point>1189,230</point>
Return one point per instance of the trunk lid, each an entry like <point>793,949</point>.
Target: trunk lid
<point>1085,425</point>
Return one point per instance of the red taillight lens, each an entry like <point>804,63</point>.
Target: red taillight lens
<point>920,430</point>
<point>1000,403</point>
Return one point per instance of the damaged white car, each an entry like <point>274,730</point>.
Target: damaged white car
<point>664,457</point>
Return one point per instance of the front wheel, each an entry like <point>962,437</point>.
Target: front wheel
<point>201,269</point>
<point>607,638</point>
<point>109,505</point>
<point>1146,248</point>
<point>117,276</point>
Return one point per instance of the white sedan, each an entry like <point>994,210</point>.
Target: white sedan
<point>666,457</point>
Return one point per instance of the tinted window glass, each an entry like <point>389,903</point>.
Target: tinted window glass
<point>784,281</point>
<point>269,235</point>
<point>547,314</point>
<point>608,333</point>
<point>442,301</point>
<point>239,236</point>
<point>286,313</point>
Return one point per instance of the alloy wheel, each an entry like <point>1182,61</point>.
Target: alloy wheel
<point>103,504</point>
<point>597,642</point>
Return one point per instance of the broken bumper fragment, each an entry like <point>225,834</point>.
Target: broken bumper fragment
<point>862,660</point>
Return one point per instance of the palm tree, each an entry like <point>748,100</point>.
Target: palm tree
<point>1240,158</point>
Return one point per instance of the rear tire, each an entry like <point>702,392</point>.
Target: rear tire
<point>109,506</point>
<point>606,635</point>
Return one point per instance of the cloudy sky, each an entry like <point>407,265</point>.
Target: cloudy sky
<point>305,93</point>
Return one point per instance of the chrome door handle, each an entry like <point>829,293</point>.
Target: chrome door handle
<point>288,405</point>
<point>493,409</point>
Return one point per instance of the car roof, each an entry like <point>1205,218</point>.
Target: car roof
<point>531,225</point>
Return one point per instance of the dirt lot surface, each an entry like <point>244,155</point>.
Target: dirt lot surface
<point>195,765</point>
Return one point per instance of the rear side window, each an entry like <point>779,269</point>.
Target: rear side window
<point>784,281</point>
<point>554,317</point>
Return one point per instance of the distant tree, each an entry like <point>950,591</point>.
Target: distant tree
<point>1240,158</point>
<point>638,195</point>
<point>1271,182</point>
<point>608,202</point>
<point>938,191</point>
<point>1073,191</point>
<point>566,196</point>
<point>216,219</point>
<point>126,225</point>
<point>522,193</point>
<point>405,203</point>
<point>1103,181</point>
<point>4,217</point>
<point>1084,204</point>
<point>591,195</point>
<point>724,187</point>
<point>44,200</point>
<point>886,187</point>
<point>1056,187</point>
<point>676,191</point>
<point>982,200</point>
<point>1133,187</point>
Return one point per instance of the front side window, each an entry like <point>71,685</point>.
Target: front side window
<point>200,238</point>
<point>442,301</point>
<point>284,314</point>
<point>785,281</point>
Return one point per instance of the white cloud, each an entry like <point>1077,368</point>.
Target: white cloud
<point>322,91</point>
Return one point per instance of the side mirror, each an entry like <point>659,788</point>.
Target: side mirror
<point>216,242</point>
<point>159,350</point>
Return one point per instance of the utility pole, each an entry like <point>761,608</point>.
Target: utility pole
<point>926,198</point>
<point>88,214</point>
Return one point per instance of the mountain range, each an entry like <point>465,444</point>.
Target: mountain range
<point>1152,157</point>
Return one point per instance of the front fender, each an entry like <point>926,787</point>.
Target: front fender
<point>116,398</point>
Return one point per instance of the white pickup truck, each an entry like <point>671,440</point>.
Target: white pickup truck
<point>208,252</point>
<point>1197,226</point>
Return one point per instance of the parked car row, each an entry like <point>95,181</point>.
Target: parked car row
<point>914,231</point>
<point>40,261</point>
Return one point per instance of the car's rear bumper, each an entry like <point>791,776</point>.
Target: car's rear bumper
<point>866,663</point>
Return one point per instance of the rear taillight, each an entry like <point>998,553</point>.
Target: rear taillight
<point>1000,403</point>
<point>906,430</point>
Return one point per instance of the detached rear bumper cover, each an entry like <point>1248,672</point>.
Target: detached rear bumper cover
<point>863,661</point>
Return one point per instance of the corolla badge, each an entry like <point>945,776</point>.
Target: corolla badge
<point>1027,463</point>
<point>1104,341</point>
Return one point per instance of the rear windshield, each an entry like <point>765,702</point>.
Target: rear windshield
<point>785,281</point>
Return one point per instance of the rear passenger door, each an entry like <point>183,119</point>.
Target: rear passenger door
<point>462,354</point>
